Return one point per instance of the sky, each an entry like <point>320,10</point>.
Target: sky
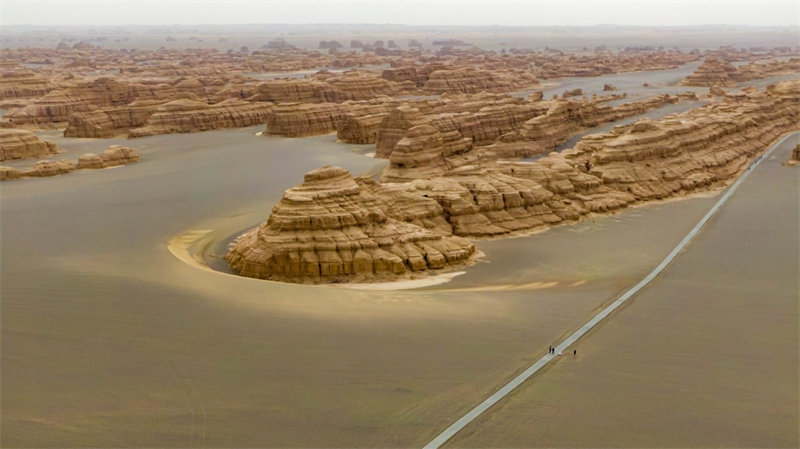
<point>414,12</point>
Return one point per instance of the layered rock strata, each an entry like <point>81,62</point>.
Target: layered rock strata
<point>334,228</point>
<point>22,144</point>
<point>113,156</point>
<point>645,161</point>
<point>109,122</point>
<point>310,119</point>
<point>432,145</point>
<point>186,116</point>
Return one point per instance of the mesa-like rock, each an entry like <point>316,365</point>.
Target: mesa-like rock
<point>184,116</point>
<point>333,227</point>
<point>23,144</point>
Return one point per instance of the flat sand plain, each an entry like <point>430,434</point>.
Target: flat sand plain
<point>706,356</point>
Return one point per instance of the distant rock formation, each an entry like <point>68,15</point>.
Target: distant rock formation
<point>22,144</point>
<point>609,88</point>
<point>112,156</point>
<point>56,106</point>
<point>335,228</point>
<point>425,145</point>
<point>185,116</point>
<point>327,89</point>
<point>712,72</point>
<point>21,83</point>
<point>469,80</point>
<point>108,122</point>
<point>719,73</point>
<point>311,119</point>
<point>451,42</point>
<point>576,92</point>
<point>330,44</point>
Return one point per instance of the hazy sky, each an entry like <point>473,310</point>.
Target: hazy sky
<point>148,12</point>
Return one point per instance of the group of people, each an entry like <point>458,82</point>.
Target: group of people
<point>552,350</point>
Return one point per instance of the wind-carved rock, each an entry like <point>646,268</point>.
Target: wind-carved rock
<point>56,106</point>
<point>22,144</point>
<point>794,159</point>
<point>21,83</point>
<point>311,119</point>
<point>333,227</point>
<point>185,116</point>
<point>713,72</point>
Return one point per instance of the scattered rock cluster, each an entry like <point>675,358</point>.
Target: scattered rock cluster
<point>113,156</point>
<point>23,144</point>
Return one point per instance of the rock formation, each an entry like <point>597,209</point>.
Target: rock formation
<point>9,173</point>
<point>315,232</point>
<point>22,83</point>
<point>310,119</point>
<point>112,156</point>
<point>22,144</point>
<point>420,146</point>
<point>713,72</point>
<point>334,228</point>
<point>794,160</point>
<point>185,116</point>
<point>118,155</point>
<point>469,80</point>
<point>50,168</point>
<point>108,122</point>
<point>328,89</point>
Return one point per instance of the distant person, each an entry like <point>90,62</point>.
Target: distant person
<point>574,352</point>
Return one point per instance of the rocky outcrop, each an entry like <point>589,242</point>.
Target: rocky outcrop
<point>469,80</point>
<point>22,83</point>
<point>648,160</point>
<point>112,156</point>
<point>186,116</point>
<point>118,155</point>
<point>482,117</point>
<point>327,88</point>
<point>108,122</point>
<point>794,160</point>
<point>91,161</point>
<point>696,149</point>
<point>50,168</point>
<point>609,87</point>
<point>335,228</point>
<point>56,106</point>
<point>713,72</point>
<point>394,126</point>
<point>435,144</point>
<point>360,129</point>
<point>577,92</point>
<point>310,119</point>
<point>22,144</point>
<point>9,173</point>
